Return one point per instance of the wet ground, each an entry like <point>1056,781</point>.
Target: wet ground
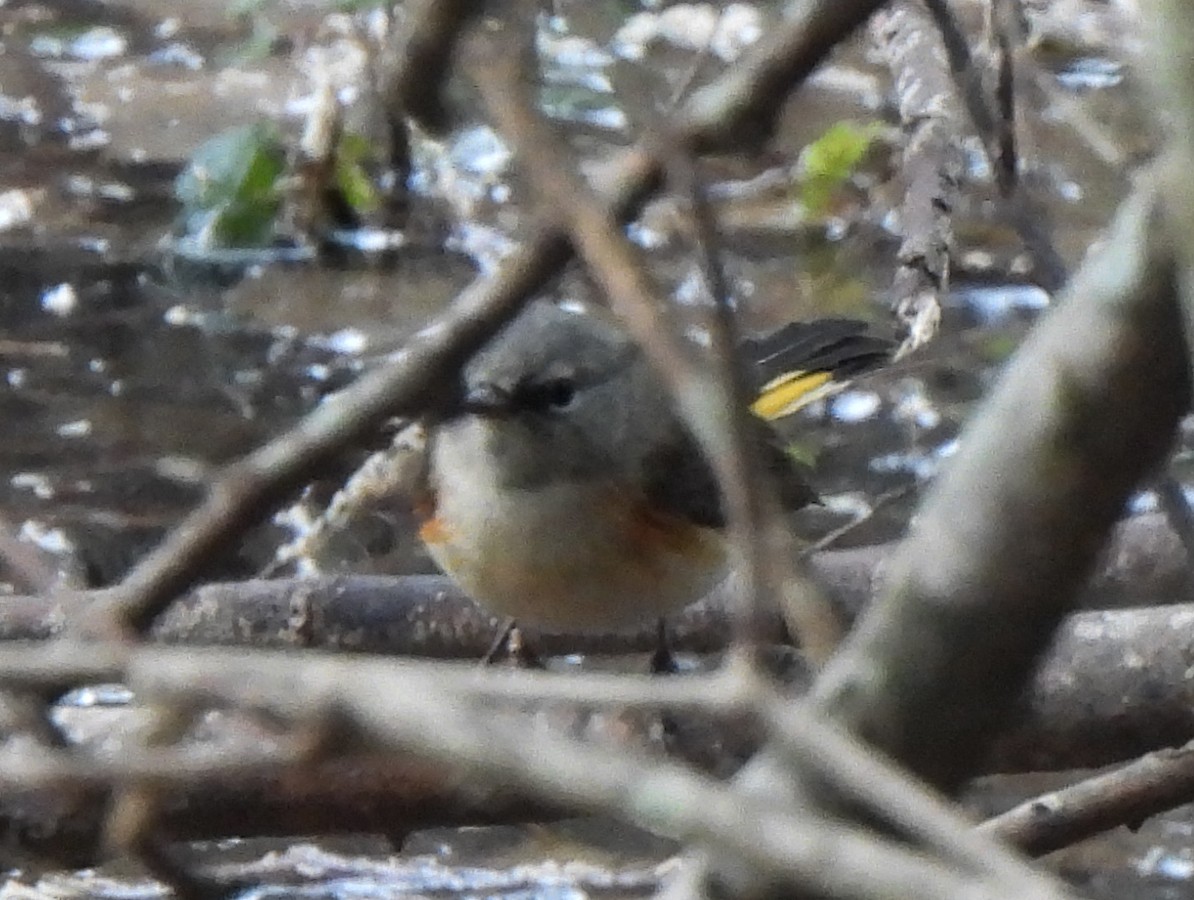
<point>132,366</point>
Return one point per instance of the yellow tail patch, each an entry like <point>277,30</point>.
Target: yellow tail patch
<point>789,392</point>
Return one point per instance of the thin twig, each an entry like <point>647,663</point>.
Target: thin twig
<point>740,477</point>
<point>824,543</point>
<point>379,702</point>
<point>915,810</point>
<point>299,688</point>
<point>932,167</point>
<point>997,133</point>
<point>504,81</point>
<point>1004,18</point>
<point>1125,796</point>
<point>63,664</point>
<point>967,77</point>
<point>760,537</point>
<point>418,59</point>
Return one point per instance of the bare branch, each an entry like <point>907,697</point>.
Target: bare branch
<point>1126,796</point>
<point>1016,522</point>
<point>420,56</point>
<point>1172,70</point>
<point>932,166</point>
<point>1013,526</point>
<point>386,708</point>
<point>765,549</point>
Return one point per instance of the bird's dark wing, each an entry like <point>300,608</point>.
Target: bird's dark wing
<point>833,349</point>
<point>682,483</point>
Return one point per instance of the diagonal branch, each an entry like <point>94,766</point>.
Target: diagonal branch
<point>1012,529</point>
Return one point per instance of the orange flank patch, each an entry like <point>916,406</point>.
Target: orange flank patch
<point>655,532</point>
<point>435,531</point>
<point>425,505</point>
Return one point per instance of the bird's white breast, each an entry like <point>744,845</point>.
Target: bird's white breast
<point>563,554</point>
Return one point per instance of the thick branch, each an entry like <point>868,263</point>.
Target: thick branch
<point>429,711</point>
<point>1086,410</point>
<point>931,119</point>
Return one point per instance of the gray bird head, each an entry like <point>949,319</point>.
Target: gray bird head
<point>562,396</point>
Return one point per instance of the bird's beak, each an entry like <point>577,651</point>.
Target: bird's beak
<point>487,400</point>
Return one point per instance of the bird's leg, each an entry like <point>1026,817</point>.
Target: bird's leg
<point>520,651</point>
<point>511,643</point>
<point>501,642</point>
<point>663,661</point>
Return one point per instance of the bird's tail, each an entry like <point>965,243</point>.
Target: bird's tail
<point>805,361</point>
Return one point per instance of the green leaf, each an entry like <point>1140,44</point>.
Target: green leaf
<point>829,162</point>
<point>229,189</point>
<point>802,454</point>
<point>352,179</point>
<point>998,346</point>
<point>258,45</point>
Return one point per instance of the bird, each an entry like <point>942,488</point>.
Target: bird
<point>563,489</point>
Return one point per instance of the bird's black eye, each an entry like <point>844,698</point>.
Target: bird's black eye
<point>555,394</point>
<point>559,393</point>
